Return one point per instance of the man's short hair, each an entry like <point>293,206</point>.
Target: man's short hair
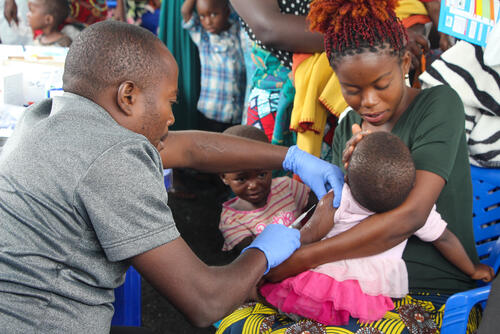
<point>381,172</point>
<point>59,9</point>
<point>108,53</point>
<point>247,131</point>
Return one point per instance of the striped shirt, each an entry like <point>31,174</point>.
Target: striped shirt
<point>223,74</point>
<point>285,203</point>
<point>462,68</point>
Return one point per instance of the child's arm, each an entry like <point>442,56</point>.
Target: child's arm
<point>187,9</point>
<point>321,222</point>
<point>451,248</point>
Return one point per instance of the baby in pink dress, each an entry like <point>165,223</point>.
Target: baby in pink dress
<point>380,176</point>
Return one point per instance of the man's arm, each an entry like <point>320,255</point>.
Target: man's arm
<point>214,152</point>
<point>275,29</point>
<point>217,153</point>
<point>451,248</point>
<point>206,294</point>
<point>373,235</point>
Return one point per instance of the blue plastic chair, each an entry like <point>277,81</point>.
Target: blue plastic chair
<point>127,303</point>
<point>486,224</point>
<point>128,296</point>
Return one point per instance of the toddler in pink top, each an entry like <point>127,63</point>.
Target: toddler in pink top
<point>260,200</point>
<point>380,176</point>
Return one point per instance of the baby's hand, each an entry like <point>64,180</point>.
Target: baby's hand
<point>483,272</point>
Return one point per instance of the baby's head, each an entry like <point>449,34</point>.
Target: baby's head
<point>214,15</point>
<point>47,13</point>
<point>252,186</point>
<point>381,172</point>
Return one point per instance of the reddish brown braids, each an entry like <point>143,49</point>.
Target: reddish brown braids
<point>350,26</point>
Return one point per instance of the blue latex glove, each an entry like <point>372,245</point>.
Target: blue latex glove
<point>319,175</point>
<point>277,242</point>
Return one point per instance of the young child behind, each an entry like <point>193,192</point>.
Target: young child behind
<point>260,200</point>
<point>48,16</point>
<point>223,81</point>
<point>380,176</point>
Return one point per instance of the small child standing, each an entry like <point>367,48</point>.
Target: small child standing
<point>380,176</point>
<point>48,16</point>
<point>223,81</point>
<point>261,200</point>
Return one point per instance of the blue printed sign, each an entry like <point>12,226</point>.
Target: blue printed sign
<point>469,20</point>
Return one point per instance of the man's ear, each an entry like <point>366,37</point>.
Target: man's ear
<point>223,178</point>
<point>126,96</point>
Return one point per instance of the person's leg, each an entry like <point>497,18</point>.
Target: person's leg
<point>129,330</point>
<point>489,324</point>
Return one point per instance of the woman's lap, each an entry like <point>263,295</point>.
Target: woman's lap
<point>414,314</point>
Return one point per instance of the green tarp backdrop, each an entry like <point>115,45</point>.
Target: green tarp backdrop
<point>186,54</point>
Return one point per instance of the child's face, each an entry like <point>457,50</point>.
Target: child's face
<point>37,17</point>
<point>213,15</point>
<point>252,186</point>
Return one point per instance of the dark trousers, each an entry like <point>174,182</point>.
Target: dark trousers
<point>129,330</point>
<point>208,124</point>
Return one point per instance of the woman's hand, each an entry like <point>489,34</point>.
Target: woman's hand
<point>357,135</point>
<point>418,45</point>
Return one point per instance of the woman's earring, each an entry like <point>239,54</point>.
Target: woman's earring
<point>407,79</point>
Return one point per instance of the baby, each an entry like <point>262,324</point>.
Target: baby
<point>380,176</point>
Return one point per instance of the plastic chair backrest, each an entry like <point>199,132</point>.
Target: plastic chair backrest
<point>128,301</point>
<point>486,213</point>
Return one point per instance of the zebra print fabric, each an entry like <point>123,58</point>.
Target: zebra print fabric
<point>462,68</point>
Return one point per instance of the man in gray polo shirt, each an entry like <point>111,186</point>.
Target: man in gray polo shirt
<point>82,195</point>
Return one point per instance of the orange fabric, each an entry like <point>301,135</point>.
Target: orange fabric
<point>297,59</point>
<point>415,19</point>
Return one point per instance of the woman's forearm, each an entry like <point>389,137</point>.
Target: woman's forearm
<point>274,29</point>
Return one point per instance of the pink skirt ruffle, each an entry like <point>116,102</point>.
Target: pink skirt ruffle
<point>320,297</point>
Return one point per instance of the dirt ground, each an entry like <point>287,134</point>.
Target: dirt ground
<point>197,220</point>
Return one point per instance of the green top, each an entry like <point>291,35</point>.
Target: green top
<point>433,128</point>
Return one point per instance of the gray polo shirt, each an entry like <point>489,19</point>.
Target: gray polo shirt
<point>80,195</point>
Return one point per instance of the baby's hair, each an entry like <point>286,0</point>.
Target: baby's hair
<point>247,131</point>
<point>381,172</point>
<point>108,53</point>
<point>354,26</point>
<point>59,9</point>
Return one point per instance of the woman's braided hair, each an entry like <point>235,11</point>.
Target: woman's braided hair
<point>353,26</point>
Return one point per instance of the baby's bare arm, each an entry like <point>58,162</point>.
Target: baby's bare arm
<point>452,249</point>
<point>321,222</point>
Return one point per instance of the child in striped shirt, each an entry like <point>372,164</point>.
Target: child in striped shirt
<point>260,200</point>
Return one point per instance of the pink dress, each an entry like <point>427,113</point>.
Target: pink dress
<point>360,288</point>
<point>285,202</point>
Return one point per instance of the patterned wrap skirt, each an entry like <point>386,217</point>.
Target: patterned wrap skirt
<point>415,314</point>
